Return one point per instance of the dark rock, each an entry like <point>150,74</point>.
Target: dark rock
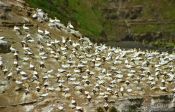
<point>3,86</point>
<point>4,10</point>
<point>100,109</point>
<point>162,103</point>
<point>113,109</point>
<point>137,101</point>
<point>4,46</point>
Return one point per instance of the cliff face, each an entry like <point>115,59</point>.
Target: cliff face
<point>144,21</point>
<point>110,21</point>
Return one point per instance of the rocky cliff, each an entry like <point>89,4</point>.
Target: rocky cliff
<point>111,21</point>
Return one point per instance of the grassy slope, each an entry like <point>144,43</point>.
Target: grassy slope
<point>80,12</point>
<point>161,10</point>
<point>87,17</point>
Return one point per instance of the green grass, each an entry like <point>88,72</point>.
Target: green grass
<point>80,12</point>
<point>160,9</point>
<point>87,17</point>
<point>139,29</point>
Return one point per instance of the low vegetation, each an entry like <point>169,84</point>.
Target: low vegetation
<point>82,13</point>
<point>89,17</point>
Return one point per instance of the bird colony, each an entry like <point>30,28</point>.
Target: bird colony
<point>79,75</point>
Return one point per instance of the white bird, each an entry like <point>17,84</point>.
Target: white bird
<point>29,53</point>
<point>9,75</point>
<point>15,62</point>
<point>41,32</point>
<point>1,64</point>
<point>89,98</point>
<point>50,71</point>
<point>121,89</point>
<point>23,73</point>
<point>38,88</point>
<point>5,70</point>
<point>12,49</point>
<point>26,48</point>
<point>61,70</point>
<point>25,28</point>
<point>24,78</point>
<point>31,66</point>
<point>38,10</point>
<point>60,107</point>
<point>46,83</point>
<point>16,28</point>
<point>28,35</point>
<point>79,109</point>
<point>42,64</point>
<point>45,76</point>
<point>44,95</point>
<point>73,103</point>
<point>163,88</point>
<point>51,20</point>
<point>47,33</point>
<point>69,25</point>
<point>57,20</point>
<point>34,16</point>
<point>106,106</point>
<point>86,92</point>
<point>63,40</point>
<point>129,90</point>
<point>18,82</point>
<point>35,73</point>
<point>25,59</point>
<point>1,38</point>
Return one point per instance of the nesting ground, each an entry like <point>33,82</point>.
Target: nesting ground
<point>59,72</point>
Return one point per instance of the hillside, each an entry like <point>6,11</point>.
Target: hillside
<point>49,66</point>
<point>83,14</point>
<point>109,21</point>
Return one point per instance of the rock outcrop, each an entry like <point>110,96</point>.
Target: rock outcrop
<point>4,10</point>
<point>4,46</point>
<point>162,103</point>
